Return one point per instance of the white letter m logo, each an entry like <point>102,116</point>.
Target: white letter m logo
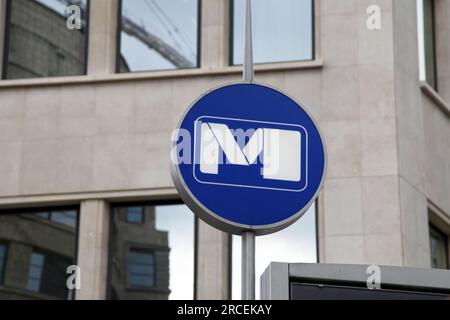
<point>250,154</point>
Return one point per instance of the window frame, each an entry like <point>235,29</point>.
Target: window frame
<point>50,214</point>
<point>433,83</point>
<point>7,38</point>
<point>146,203</point>
<point>3,262</point>
<point>142,221</point>
<point>150,250</point>
<point>314,45</point>
<point>438,219</point>
<point>30,211</point>
<point>119,43</point>
<point>31,265</point>
<point>49,256</point>
<point>437,230</point>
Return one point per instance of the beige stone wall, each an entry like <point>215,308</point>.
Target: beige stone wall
<point>93,249</point>
<point>423,135</point>
<point>106,137</point>
<point>102,37</point>
<point>361,209</point>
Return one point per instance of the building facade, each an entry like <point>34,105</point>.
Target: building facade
<point>95,137</point>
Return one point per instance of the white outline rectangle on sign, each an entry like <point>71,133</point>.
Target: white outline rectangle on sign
<point>196,134</point>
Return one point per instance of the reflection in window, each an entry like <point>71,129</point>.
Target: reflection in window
<point>135,214</point>
<point>141,269</point>
<point>439,249</point>
<point>158,35</point>
<point>39,44</point>
<point>427,42</point>
<point>35,272</point>
<point>47,274</point>
<point>282,30</point>
<point>153,260</point>
<point>66,218</point>
<point>296,244</point>
<point>39,252</point>
<point>2,260</point>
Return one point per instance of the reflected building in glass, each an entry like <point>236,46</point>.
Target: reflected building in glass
<point>36,250</point>
<point>282,31</point>
<point>139,257</point>
<point>152,247</point>
<point>158,35</point>
<point>39,42</point>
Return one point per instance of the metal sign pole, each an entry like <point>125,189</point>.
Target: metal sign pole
<point>248,237</point>
<point>248,265</point>
<point>248,45</point>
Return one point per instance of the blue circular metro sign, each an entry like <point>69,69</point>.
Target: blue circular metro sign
<point>247,157</point>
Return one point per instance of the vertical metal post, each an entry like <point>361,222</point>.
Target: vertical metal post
<point>248,265</point>
<point>248,237</point>
<point>248,45</point>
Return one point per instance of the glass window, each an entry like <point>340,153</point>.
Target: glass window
<point>66,218</point>
<point>427,42</point>
<point>439,249</point>
<point>296,244</point>
<point>39,42</point>
<point>282,30</point>
<point>2,261</point>
<point>158,35</point>
<point>135,215</point>
<point>43,215</point>
<point>153,260</point>
<point>39,253</point>
<point>35,272</point>
<point>141,269</point>
<point>47,274</point>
